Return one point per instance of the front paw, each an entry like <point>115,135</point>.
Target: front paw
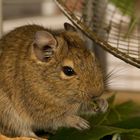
<point>77,122</point>
<point>102,105</point>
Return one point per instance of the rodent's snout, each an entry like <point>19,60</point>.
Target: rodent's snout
<point>94,97</point>
<point>95,94</point>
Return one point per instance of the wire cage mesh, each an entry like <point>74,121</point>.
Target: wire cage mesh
<point>111,25</point>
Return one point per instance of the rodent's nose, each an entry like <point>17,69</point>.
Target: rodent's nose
<point>95,94</point>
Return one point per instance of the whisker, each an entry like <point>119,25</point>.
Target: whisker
<point>112,75</point>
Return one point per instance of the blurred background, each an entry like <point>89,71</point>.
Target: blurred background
<point>125,78</point>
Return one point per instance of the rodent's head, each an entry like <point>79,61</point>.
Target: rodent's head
<point>66,67</point>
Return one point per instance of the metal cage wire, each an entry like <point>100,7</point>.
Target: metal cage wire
<point>109,20</point>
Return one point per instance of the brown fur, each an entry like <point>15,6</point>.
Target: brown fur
<point>37,95</point>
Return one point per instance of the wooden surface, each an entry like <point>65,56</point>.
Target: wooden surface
<point>17,138</point>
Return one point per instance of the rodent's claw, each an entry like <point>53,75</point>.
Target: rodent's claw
<point>77,122</point>
<point>82,125</point>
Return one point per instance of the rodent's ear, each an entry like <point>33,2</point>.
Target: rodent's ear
<point>43,38</point>
<point>69,27</point>
<point>44,45</point>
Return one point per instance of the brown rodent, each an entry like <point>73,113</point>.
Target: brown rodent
<point>47,78</point>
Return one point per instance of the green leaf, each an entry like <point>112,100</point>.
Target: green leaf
<point>135,135</point>
<point>122,112</point>
<point>130,123</point>
<point>111,100</point>
<point>125,6</point>
<point>95,133</point>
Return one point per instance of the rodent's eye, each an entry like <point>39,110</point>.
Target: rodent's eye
<point>68,71</point>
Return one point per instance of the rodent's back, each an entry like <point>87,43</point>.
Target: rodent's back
<point>19,37</point>
<point>15,47</point>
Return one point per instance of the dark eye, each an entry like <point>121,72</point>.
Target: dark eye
<point>68,71</point>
